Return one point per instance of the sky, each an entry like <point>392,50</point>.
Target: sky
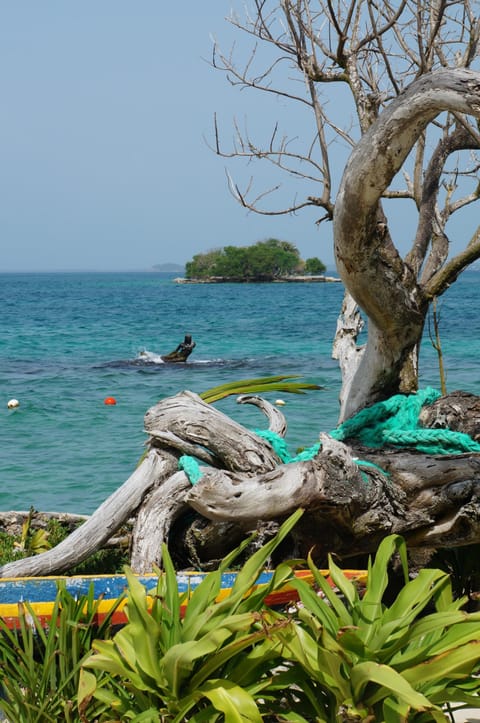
<point>106,111</point>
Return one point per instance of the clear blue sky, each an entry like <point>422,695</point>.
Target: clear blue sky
<point>103,163</point>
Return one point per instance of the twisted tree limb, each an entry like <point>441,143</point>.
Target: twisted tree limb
<point>185,425</point>
<point>102,525</point>
<point>207,432</point>
<point>353,495</point>
<point>155,519</point>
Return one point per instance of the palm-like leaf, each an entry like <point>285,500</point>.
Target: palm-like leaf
<point>258,385</point>
<point>198,667</point>
<point>387,660</point>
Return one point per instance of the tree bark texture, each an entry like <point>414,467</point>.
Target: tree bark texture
<point>383,285</point>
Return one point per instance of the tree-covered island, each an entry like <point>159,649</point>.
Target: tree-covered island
<point>270,260</point>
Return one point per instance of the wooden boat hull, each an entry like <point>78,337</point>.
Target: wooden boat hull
<point>40,592</point>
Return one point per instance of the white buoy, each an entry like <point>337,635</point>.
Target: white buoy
<point>279,402</point>
<point>12,403</point>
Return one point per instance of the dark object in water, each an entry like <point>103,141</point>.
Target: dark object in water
<point>182,352</point>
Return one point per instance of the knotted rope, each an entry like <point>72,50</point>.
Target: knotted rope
<point>394,422</point>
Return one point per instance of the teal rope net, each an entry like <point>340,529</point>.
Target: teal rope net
<point>396,422</point>
<point>191,468</point>
<point>393,422</point>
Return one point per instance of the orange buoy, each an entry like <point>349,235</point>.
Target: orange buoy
<point>110,400</point>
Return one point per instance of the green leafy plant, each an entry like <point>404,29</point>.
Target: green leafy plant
<point>32,542</point>
<point>107,560</point>
<point>343,655</point>
<point>259,384</point>
<point>40,667</point>
<point>205,665</point>
<point>365,660</point>
<point>8,551</point>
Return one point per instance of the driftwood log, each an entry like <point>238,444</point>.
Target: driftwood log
<point>432,500</point>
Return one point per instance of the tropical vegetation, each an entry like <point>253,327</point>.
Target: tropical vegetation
<point>40,667</point>
<point>33,540</point>
<point>343,652</point>
<point>263,261</point>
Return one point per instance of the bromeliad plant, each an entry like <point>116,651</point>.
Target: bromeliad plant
<point>360,659</point>
<point>343,655</point>
<point>162,667</point>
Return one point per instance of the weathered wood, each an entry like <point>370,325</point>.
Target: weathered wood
<point>276,420</point>
<point>200,544</point>
<point>381,282</point>
<point>182,351</point>
<point>167,502</point>
<point>431,501</point>
<point>353,495</point>
<point>187,418</point>
<point>345,349</point>
<point>331,476</point>
<point>458,411</point>
<point>100,526</point>
<point>426,498</point>
<point>154,521</point>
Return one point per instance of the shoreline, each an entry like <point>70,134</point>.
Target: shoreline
<point>283,280</point>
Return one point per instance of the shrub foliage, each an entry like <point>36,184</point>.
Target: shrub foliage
<point>342,653</point>
<point>264,261</point>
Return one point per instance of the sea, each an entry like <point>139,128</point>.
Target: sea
<point>69,341</point>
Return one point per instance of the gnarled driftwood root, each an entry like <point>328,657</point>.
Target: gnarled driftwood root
<point>353,495</point>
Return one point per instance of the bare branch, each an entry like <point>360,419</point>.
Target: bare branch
<point>449,273</point>
<point>254,204</point>
<point>371,54</point>
<point>430,224</point>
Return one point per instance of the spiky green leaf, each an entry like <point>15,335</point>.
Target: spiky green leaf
<point>259,384</point>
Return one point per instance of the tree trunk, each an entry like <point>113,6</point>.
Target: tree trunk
<point>385,287</point>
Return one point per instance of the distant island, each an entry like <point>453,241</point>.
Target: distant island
<point>271,260</point>
<point>169,268</point>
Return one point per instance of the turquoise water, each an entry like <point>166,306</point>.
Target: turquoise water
<point>68,341</point>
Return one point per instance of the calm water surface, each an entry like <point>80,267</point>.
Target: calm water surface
<point>68,341</point>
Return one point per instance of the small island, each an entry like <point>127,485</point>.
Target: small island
<point>266,261</point>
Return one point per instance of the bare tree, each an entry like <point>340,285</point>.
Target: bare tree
<point>403,70</point>
<point>407,68</point>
